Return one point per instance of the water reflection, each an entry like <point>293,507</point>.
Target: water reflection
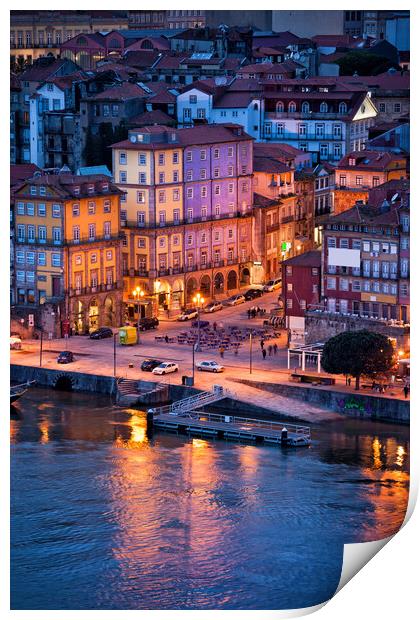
<point>129,521</point>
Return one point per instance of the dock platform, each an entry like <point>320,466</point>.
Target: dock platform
<point>233,428</point>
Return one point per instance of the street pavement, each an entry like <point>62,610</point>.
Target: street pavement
<point>96,356</point>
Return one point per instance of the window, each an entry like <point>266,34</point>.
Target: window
<point>230,188</point>
<point>20,208</point>
<point>176,215</point>
<point>397,107</point>
<point>189,214</point>
<point>344,284</point>
<point>342,108</point>
<point>193,98</point>
<point>105,110</point>
<point>55,259</point>
<point>141,242</point>
<point>92,232</point>
<point>279,107</point>
<point>306,107</point>
<point>189,175</point>
<point>162,218</point>
<point>20,257</point>
<point>331,242</point>
<point>323,108</point>
<point>344,243</point>
<point>217,210</point>
<point>123,158</point>
<point>366,246</point>
<point>78,259</point>
<point>30,258</point>
<point>202,173</point>
<point>189,156</point>
<point>107,230</point>
<point>303,304</point>
<point>289,304</point>
<point>359,180</point>
<point>175,194</point>
<point>230,171</point>
<point>123,177</point>
<point>161,159</point>
<point>202,154</point>
<point>175,157</point>
<point>142,159</point>
<point>30,208</point>
<point>91,208</point>
<point>230,151</point>
<point>203,191</point>
<point>189,192</point>
<point>216,153</point>
<point>141,217</point>
<point>382,107</point>
<point>56,210</point>
<point>33,190</point>
<point>42,234</point>
<point>142,178</point>
<point>331,283</point>
<point>175,176</point>
<point>56,235</point>
<point>42,259</point>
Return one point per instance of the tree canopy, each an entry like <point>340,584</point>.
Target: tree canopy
<point>364,63</point>
<point>358,353</point>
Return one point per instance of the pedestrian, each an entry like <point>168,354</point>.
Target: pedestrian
<point>262,343</point>
<point>264,353</point>
<point>249,313</point>
<point>349,381</point>
<point>222,352</point>
<point>275,347</point>
<point>254,313</point>
<point>270,349</point>
<point>406,390</point>
<point>166,338</point>
<point>236,350</point>
<point>214,325</point>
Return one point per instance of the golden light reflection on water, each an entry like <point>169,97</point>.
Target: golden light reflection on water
<point>138,432</point>
<point>401,453</point>
<point>44,428</point>
<point>376,450</point>
<point>14,430</point>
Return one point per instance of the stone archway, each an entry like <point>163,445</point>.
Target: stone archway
<point>191,288</point>
<point>232,280</point>
<point>177,299</point>
<point>93,315</point>
<point>219,283</point>
<point>205,287</point>
<point>109,312</point>
<point>78,323</point>
<point>163,294</point>
<point>245,276</point>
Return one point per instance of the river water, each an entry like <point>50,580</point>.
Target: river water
<point>105,518</point>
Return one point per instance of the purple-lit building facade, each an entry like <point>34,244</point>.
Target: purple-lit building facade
<point>187,214</point>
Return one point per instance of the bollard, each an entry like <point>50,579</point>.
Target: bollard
<point>149,418</point>
<point>284,438</point>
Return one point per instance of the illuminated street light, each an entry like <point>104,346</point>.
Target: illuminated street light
<point>198,301</point>
<point>138,294</point>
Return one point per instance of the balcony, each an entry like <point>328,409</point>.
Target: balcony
<point>86,239</point>
<point>328,116</point>
<point>287,219</point>
<point>185,221</point>
<point>91,290</point>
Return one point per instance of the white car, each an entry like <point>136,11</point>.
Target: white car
<point>15,342</point>
<point>235,300</point>
<point>187,315</point>
<point>213,306</point>
<point>210,366</point>
<point>165,368</point>
<point>272,285</point>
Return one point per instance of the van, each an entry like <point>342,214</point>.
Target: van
<point>272,285</point>
<point>128,335</point>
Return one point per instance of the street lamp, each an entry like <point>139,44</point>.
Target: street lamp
<point>198,300</point>
<point>138,294</point>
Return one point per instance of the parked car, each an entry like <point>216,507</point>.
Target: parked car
<point>235,300</point>
<point>65,357</point>
<point>165,368</point>
<point>150,364</point>
<point>187,315</point>
<point>15,342</point>
<point>213,306</point>
<point>209,366</point>
<point>200,323</point>
<point>272,285</point>
<point>252,293</point>
<point>102,332</point>
<point>148,323</point>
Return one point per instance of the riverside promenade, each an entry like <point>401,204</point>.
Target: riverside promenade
<point>263,385</point>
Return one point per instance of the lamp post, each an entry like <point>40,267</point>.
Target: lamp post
<point>250,352</point>
<point>138,294</point>
<point>198,300</point>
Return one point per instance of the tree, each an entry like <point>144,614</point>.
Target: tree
<point>364,63</point>
<point>358,353</point>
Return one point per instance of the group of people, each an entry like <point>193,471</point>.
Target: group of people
<point>272,349</point>
<point>256,311</point>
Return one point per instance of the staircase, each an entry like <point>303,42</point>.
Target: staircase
<point>127,387</point>
<point>188,405</point>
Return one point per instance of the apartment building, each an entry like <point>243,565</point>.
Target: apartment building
<point>362,262</point>
<point>187,212</point>
<point>68,249</point>
<point>357,172</point>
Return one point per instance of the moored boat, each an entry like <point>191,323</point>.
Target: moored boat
<point>16,391</point>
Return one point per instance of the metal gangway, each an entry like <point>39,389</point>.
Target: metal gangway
<point>188,406</point>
